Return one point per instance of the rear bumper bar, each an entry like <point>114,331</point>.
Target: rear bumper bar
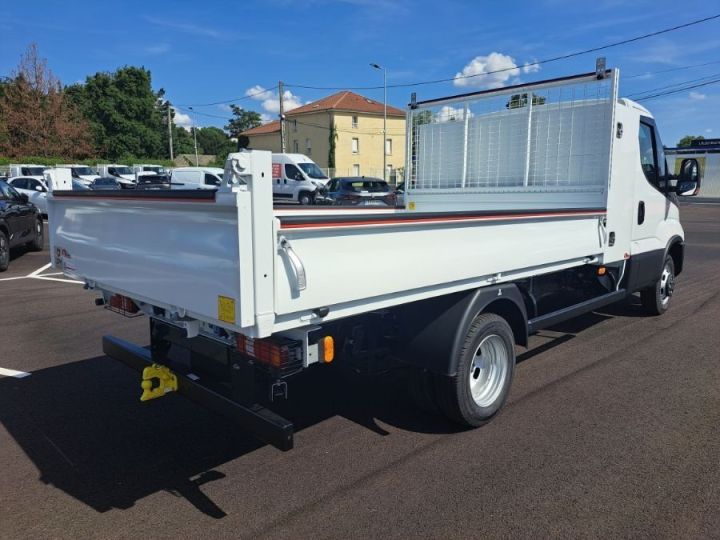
<point>260,421</point>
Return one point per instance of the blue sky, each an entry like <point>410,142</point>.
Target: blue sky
<point>204,52</point>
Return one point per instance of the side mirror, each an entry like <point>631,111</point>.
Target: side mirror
<point>39,188</point>
<point>689,178</point>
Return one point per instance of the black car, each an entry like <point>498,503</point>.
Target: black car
<point>153,181</point>
<point>360,191</point>
<point>20,223</point>
<point>107,182</point>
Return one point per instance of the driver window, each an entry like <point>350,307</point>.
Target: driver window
<point>293,173</point>
<point>648,159</point>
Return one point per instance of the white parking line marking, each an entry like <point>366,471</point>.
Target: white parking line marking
<point>4,372</point>
<point>36,272</point>
<point>57,279</point>
<point>36,275</point>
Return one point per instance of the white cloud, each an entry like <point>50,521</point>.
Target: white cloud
<point>265,118</point>
<point>270,101</point>
<point>697,96</point>
<point>451,114</point>
<point>182,120</point>
<point>708,130</point>
<point>531,67</point>
<point>160,48</point>
<point>491,71</point>
<point>224,107</point>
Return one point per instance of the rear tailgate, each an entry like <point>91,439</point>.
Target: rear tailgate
<point>174,249</point>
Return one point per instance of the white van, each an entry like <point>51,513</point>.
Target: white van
<point>296,178</point>
<point>27,170</point>
<point>83,173</point>
<point>196,178</point>
<point>121,172</point>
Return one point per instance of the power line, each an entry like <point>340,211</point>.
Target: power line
<point>671,69</point>
<point>231,100</point>
<point>678,90</point>
<point>536,63</point>
<point>653,90</point>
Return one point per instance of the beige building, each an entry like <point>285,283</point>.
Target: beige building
<point>356,125</point>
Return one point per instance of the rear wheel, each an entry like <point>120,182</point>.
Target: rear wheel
<point>4,252</point>
<point>39,242</point>
<point>656,298</point>
<point>480,387</point>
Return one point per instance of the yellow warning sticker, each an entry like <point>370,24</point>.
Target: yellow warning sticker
<point>411,205</point>
<point>226,309</point>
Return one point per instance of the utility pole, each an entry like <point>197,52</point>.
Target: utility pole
<point>282,117</point>
<point>169,123</point>
<point>197,161</point>
<point>384,137</point>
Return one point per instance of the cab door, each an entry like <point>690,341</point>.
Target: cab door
<point>18,214</point>
<point>655,219</point>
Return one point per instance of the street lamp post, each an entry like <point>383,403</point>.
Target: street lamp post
<point>384,137</point>
<point>197,161</point>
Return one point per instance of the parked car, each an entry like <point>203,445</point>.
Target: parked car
<point>153,181</point>
<point>20,223</point>
<point>36,190</point>
<point>400,194</point>
<point>107,182</point>
<point>360,191</point>
<point>77,185</point>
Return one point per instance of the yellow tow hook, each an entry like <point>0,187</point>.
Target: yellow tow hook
<point>166,382</point>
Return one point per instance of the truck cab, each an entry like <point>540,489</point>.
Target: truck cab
<point>26,170</point>
<point>296,178</point>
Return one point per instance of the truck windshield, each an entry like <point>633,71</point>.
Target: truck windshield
<point>83,171</point>
<point>123,170</point>
<point>158,170</point>
<point>32,171</point>
<point>313,171</point>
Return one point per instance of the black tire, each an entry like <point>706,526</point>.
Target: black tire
<point>491,334</point>
<point>4,251</point>
<point>656,298</point>
<point>38,243</point>
<point>305,198</point>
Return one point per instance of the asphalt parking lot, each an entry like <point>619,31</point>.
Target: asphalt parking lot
<point>612,429</point>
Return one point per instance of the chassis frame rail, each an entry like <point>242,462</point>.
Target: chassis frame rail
<point>258,420</point>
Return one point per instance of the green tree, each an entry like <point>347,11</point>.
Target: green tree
<point>688,139</point>
<point>125,113</point>
<point>213,140</point>
<point>517,101</point>
<point>182,141</point>
<point>242,120</point>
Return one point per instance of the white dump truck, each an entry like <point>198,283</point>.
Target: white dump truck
<point>525,206</point>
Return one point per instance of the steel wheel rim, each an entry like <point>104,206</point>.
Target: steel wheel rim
<point>667,284</point>
<point>488,370</point>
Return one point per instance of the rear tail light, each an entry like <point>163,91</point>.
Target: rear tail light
<point>280,353</point>
<point>123,305</point>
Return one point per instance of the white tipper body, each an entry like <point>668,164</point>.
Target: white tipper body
<point>232,260</point>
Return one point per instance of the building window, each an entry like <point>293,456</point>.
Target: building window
<point>355,145</point>
<point>308,147</point>
<point>295,146</point>
<point>354,121</point>
<point>356,168</point>
<point>388,147</point>
<point>294,123</point>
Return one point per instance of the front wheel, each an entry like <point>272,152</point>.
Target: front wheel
<point>4,252</point>
<point>480,387</point>
<point>656,298</point>
<point>39,242</point>
<point>305,198</point>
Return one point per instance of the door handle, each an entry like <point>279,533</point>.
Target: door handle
<point>296,263</point>
<point>641,212</point>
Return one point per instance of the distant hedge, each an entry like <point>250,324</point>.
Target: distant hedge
<point>51,161</point>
